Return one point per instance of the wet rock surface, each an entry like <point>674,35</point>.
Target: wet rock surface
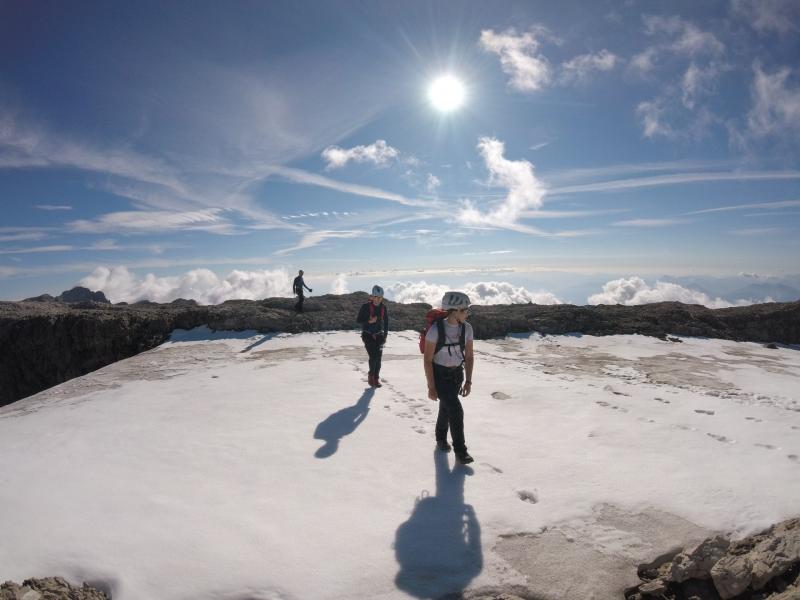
<point>49,588</point>
<point>759,567</point>
<point>44,343</point>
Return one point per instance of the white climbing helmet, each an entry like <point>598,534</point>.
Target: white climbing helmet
<point>377,291</point>
<point>455,300</point>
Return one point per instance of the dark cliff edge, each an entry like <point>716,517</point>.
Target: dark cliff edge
<point>43,344</point>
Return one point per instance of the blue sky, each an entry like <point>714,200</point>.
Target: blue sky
<point>211,149</point>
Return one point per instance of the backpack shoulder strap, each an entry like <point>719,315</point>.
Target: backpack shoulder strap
<point>440,340</point>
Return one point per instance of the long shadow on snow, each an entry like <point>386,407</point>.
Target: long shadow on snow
<point>439,547</point>
<point>341,423</point>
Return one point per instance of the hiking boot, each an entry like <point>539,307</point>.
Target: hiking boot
<point>443,445</point>
<point>376,381</point>
<point>464,458</point>
<point>371,380</point>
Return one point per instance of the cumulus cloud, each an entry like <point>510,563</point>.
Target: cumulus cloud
<point>635,291</point>
<point>519,57</point>
<point>776,103</point>
<point>767,16</point>
<point>379,153</point>
<point>202,285</point>
<point>581,67</point>
<point>490,292</point>
<point>525,191</point>
<point>339,284</point>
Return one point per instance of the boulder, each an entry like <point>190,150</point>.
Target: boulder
<point>696,562</point>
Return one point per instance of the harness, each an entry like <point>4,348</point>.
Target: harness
<point>441,341</point>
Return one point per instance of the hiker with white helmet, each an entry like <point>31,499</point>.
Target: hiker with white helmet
<point>374,319</point>
<point>447,354</point>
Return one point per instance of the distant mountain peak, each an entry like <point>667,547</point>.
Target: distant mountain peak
<point>81,294</point>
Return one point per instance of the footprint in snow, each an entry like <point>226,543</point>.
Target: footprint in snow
<point>721,438</point>
<point>767,446</point>
<point>608,388</point>
<point>493,468</point>
<point>793,457</point>
<point>612,406</point>
<point>753,419</point>
<point>704,412</point>
<point>661,400</point>
<point>500,396</point>
<point>684,427</point>
<point>527,496</point>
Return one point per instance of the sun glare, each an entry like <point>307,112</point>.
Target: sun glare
<point>446,93</point>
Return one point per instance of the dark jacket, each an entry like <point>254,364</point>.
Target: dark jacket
<point>379,326</point>
<point>298,285</point>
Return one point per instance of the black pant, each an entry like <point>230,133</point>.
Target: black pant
<point>299,306</point>
<point>374,346</point>
<point>451,414</point>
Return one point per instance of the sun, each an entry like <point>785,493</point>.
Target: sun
<point>447,93</point>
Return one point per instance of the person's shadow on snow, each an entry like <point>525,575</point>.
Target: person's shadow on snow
<point>341,423</point>
<point>439,547</point>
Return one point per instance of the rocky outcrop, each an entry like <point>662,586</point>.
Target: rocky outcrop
<point>760,567</point>
<point>46,343</point>
<point>76,294</point>
<point>49,588</point>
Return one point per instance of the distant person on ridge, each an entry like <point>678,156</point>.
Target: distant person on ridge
<point>297,288</point>
<point>448,351</point>
<point>374,319</point>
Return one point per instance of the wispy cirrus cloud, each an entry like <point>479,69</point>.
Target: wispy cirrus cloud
<point>22,236</point>
<point>53,207</point>
<point>307,178</point>
<point>757,206</point>
<point>147,181</point>
<point>651,222</point>
<point>675,179</point>
<point>37,249</point>
<point>757,231</point>
<point>211,220</point>
<point>378,153</point>
<point>315,238</point>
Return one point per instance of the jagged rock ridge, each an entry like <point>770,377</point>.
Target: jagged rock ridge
<point>46,343</point>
